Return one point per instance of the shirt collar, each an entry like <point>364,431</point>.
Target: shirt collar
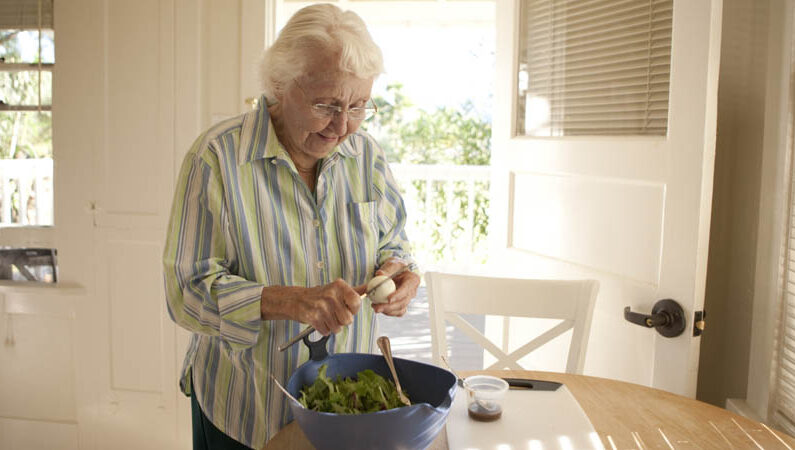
<point>258,138</point>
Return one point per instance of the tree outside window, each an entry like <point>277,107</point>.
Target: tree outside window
<point>26,180</point>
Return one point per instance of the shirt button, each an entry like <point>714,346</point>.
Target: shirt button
<point>320,264</point>
<point>316,223</point>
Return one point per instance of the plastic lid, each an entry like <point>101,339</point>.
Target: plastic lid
<point>487,387</point>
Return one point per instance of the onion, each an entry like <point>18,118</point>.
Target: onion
<point>380,295</point>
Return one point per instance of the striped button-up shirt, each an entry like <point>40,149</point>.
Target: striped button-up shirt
<point>243,219</point>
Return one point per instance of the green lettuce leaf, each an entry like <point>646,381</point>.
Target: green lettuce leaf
<point>368,392</point>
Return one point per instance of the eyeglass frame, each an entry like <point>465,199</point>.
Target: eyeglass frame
<point>326,111</point>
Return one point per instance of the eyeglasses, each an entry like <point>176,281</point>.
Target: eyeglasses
<point>324,111</point>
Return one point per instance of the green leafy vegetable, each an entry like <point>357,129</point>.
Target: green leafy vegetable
<point>369,392</point>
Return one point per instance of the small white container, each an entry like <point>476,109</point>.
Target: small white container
<point>484,397</point>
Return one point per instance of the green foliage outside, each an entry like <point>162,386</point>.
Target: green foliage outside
<point>444,136</point>
<point>23,134</point>
<point>452,136</point>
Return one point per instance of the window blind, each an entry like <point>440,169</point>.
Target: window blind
<point>24,14</point>
<point>594,67</point>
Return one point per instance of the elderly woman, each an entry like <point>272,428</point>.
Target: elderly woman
<point>280,217</point>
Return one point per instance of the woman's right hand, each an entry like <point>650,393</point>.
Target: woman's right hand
<point>327,308</point>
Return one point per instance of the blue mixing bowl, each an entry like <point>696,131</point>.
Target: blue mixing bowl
<point>430,388</point>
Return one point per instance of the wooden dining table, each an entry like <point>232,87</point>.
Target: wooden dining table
<point>627,416</point>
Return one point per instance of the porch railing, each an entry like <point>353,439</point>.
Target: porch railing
<point>26,192</point>
<point>446,203</point>
<point>447,207</point>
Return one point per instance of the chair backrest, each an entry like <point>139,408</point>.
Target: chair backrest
<point>571,301</point>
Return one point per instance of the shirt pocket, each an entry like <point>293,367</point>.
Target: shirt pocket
<point>363,246</point>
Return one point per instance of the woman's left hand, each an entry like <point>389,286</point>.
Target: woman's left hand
<point>406,285</point>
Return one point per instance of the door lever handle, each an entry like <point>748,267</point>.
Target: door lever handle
<point>667,317</point>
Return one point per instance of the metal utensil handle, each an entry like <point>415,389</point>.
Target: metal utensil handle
<point>307,331</point>
<point>286,392</point>
<point>386,349</point>
<point>461,381</point>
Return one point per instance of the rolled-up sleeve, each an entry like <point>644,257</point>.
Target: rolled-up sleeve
<point>203,293</point>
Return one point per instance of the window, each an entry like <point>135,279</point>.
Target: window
<point>594,67</point>
<point>27,60</point>
<point>434,120</point>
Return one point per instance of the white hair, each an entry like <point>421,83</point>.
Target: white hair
<point>325,28</point>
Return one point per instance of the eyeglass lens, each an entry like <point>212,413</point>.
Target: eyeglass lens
<point>327,111</point>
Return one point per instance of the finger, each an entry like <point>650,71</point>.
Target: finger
<point>321,328</point>
<point>396,300</point>
<point>395,310</point>
<point>397,305</point>
<point>353,300</point>
<point>347,303</point>
<point>360,289</point>
<point>347,297</point>
<point>406,284</point>
<point>390,266</point>
<point>324,312</point>
<point>342,316</point>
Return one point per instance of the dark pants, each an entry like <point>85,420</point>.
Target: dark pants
<point>205,435</point>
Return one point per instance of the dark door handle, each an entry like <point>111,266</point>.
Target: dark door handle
<point>667,317</point>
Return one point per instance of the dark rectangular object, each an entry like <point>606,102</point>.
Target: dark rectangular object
<point>29,264</point>
<point>536,385</point>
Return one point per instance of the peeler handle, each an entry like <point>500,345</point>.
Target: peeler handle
<point>317,349</point>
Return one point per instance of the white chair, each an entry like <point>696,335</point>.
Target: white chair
<point>571,301</point>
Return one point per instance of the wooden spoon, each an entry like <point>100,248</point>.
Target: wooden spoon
<point>386,350</point>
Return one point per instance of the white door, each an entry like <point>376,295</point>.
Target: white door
<point>630,211</point>
<point>138,403</point>
<point>121,80</point>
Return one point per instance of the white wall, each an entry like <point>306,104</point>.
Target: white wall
<point>729,295</point>
<point>774,217</point>
<point>747,203</point>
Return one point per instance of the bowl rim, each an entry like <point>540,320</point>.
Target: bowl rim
<point>374,413</point>
<point>452,391</point>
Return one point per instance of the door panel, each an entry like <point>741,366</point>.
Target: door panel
<point>582,220</point>
<point>137,396</point>
<point>136,166</point>
<point>632,212</point>
<point>137,319</point>
<point>139,388</point>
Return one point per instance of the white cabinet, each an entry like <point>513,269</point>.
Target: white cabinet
<point>18,434</point>
<point>37,368</point>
